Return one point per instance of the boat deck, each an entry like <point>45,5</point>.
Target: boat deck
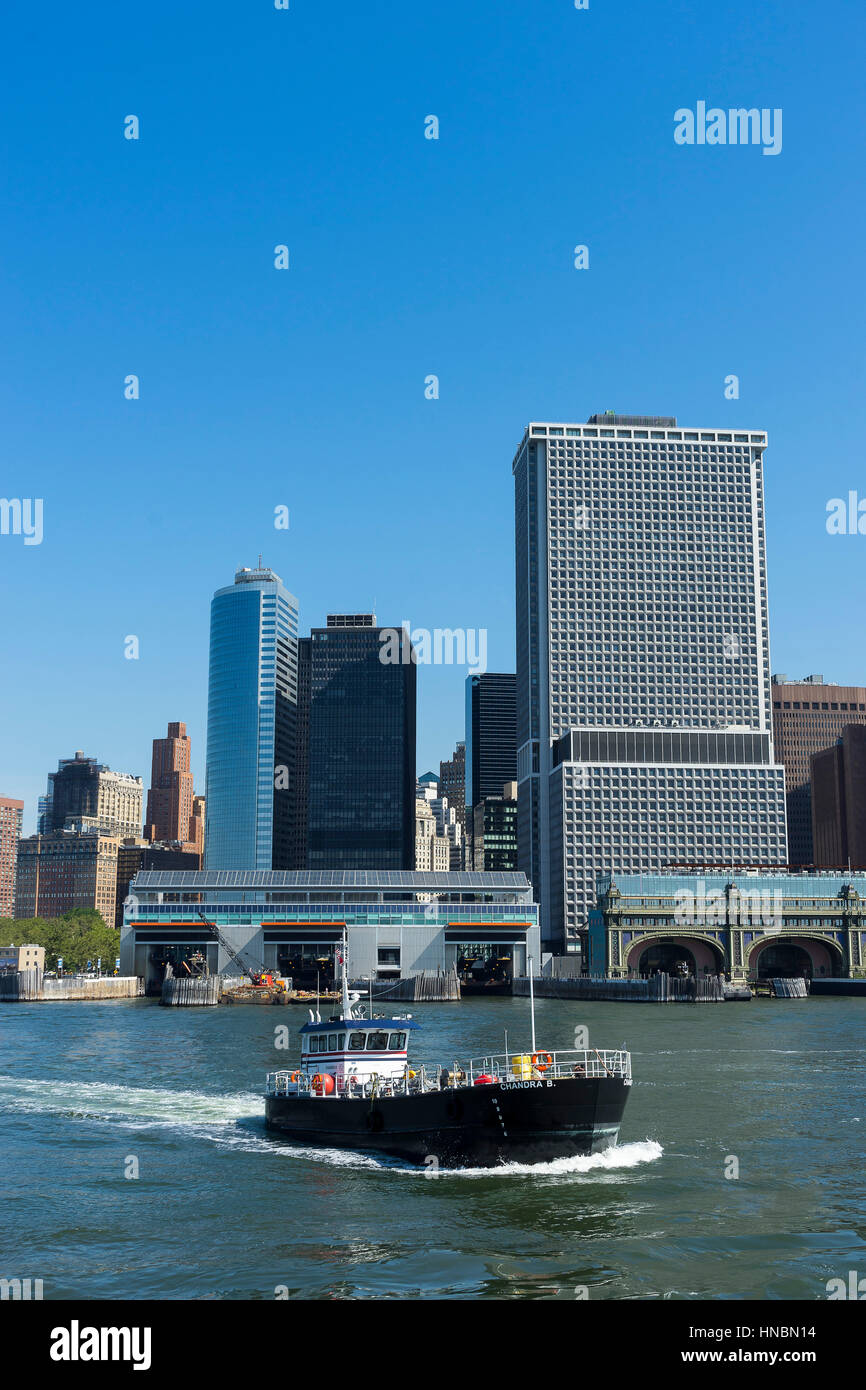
<point>498,1069</point>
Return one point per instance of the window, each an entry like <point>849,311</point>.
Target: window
<point>377,1042</point>
<point>356,1042</point>
<point>397,1042</point>
<point>389,955</point>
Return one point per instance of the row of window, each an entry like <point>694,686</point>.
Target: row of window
<point>355,1042</point>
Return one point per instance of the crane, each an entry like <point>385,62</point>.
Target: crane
<point>261,979</point>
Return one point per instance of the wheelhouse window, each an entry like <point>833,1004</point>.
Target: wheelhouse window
<point>377,1042</point>
<point>356,1042</point>
<point>397,1042</point>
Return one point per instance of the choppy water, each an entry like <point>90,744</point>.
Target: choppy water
<point>222,1210</point>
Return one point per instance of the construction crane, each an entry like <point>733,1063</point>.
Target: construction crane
<point>260,979</point>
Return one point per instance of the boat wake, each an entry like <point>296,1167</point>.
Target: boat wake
<point>135,1106</point>
<point>610,1160</point>
<point>236,1122</point>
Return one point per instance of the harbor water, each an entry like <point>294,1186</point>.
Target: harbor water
<point>136,1164</point>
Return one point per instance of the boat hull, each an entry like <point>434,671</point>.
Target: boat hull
<point>477,1127</point>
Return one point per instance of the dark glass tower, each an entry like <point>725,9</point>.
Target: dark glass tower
<point>361,770</point>
<point>491,734</point>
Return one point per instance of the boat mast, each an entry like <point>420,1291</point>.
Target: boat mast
<point>532,1003</point>
<point>347,1008</point>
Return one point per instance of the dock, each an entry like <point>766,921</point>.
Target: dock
<point>30,986</point>
<point>655,989</point>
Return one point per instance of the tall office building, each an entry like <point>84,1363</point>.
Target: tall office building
<point>251,724</point>
<point>643,673</point>
<point>170,798</point>
<point>809,715</point>
<point>361,773</point>
<point>11,813</point>
<point>301,793</point>
<point>491,734</point>
<point>452,782</point>
<point>838,785</point>
<point>89,795</point>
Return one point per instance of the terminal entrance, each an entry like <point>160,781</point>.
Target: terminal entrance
<point>188,961</point>
<point>310,967</point>
<point>485,968</point>
<point>666,958</point>
<point>784,961</point>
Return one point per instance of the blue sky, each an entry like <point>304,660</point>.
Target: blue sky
<point>408,257</point>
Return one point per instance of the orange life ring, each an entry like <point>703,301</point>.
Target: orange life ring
<point>537,1060</point>
<point>295,1077</point>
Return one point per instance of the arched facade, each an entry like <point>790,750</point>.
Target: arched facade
<point>793,956</point>
<point>648,953</point>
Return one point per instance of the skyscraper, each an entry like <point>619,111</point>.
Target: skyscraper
<point>251,728</point>
<point>643,671</point>
<point>11,813</point>
<point>361,774</point>
<point>809,715</point>
<point>491,734</point>
<point>170,798</point>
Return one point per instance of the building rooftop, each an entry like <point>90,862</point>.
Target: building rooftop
<point>378,879</point>
<point>610,417</point>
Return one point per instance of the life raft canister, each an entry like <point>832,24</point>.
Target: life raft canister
<point>323,1084</point>
<point>483,1080</point>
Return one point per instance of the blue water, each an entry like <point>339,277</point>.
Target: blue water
<point>222,1210</point>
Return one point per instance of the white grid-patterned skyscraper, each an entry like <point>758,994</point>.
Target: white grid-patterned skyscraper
<point>644,731</point>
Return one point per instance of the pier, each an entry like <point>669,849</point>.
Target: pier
<point>430,986</point>
<point>198,991</point>
<point>30,986</point>
<point>654,989</point>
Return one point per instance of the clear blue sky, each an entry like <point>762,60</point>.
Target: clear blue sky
<point>408,257</point>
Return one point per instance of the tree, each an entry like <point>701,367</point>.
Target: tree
<point>78,936</point>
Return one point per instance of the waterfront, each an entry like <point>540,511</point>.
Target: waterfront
<point>222,1210</point>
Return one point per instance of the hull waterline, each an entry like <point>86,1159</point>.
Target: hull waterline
<point>478,1126</point>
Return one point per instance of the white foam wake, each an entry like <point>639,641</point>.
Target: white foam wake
<point>98,1100</point>
<point>609,1160</point>
<point>223,1118</point>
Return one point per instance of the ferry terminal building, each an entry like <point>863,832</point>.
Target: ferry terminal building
<point>749,925</point>
<point>398,921</point>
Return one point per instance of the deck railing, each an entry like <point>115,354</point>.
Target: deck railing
<point>496,1068</point>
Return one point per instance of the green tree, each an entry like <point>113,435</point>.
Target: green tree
<point>78,936</point>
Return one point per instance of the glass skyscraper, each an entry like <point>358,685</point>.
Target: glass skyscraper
<point>251,727</point>
<point>644,731</point>
<point>491,734</point>
<point>361,765</point>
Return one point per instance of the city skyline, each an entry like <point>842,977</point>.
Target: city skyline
<point>305,388</point>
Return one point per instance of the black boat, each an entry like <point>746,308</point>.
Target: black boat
<point>354,1088</point>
